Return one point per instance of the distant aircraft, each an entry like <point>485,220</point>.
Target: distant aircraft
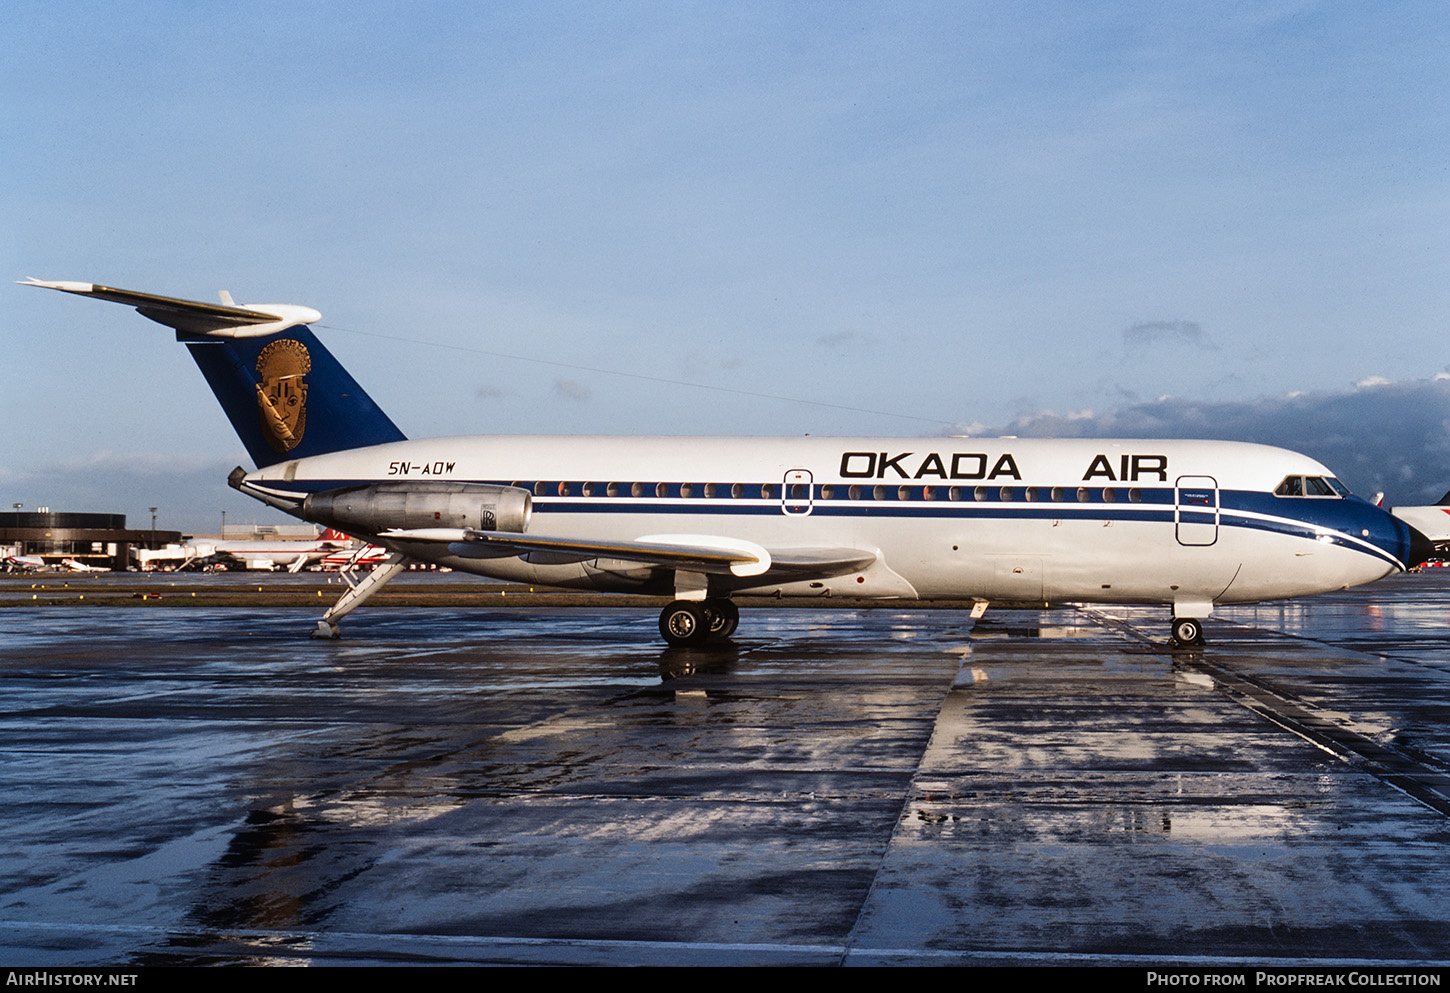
<point>1432,521</point>
<point>294,556</point>
<point>362,557</point>
<point>1184,524</point>
<point>25,563</point>
<point>77,566</point>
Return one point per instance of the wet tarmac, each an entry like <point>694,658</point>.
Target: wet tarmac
<point>851,787</point>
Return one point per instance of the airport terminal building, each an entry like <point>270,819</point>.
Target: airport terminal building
<point>101,540</point>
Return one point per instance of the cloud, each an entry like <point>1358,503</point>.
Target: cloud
<point>1145,334</point>
<point>839,339</point>
<point>571,390</point>
<point>1390,436</point>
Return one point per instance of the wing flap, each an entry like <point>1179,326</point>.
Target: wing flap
<point>696,553</point>
<point>693,552</point>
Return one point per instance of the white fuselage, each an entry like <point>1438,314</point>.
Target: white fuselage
<point>1188,523</point>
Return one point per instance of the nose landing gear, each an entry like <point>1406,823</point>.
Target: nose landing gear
<point>1187,632</point>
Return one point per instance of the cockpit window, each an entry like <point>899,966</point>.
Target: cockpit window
<point>1312,486</point>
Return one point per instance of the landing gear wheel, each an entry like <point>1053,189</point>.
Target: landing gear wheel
<point>724,617</point>
<point>684,623</point>
<point>1187,632</point>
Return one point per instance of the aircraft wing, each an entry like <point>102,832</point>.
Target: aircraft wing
<point>689,552</point>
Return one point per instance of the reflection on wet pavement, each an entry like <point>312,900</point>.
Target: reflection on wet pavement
<point>889,785</point>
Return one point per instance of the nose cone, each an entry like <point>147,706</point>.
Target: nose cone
<point>1404,543</point>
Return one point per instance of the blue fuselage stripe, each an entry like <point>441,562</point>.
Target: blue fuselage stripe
<point>1317,519</point>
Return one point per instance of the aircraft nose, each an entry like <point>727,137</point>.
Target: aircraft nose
<point>1397,539</point>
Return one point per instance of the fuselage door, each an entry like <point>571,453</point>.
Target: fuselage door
<point>796,493</point>
<point>1195,510</point>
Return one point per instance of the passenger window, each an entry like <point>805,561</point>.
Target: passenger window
<point>1082,494</point>
<point>979,494</point>
<point>903,493</point>
<point>587,489</point>
<point>662,489</point>
<point>1110,495</point>
<point>766,492</point>
<point>827,491</point>
<point>854,493</point>
<point>636,489</point>
<point>612,489</point>
<point>737,491</point>
<point>710,490</point>
<point>1005,494</point>
<point>1135,495</point>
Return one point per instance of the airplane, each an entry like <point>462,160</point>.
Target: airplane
<point>1432,521</point>
<point>1186,525</point>
<point>294,556</point>
<point>25,563</point>
<point>75,565</point>
<point>362,557</point>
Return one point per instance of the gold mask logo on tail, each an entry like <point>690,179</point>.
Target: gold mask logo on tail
<point>282,393</point>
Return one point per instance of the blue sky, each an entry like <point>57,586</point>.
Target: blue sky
<point>920,218</point>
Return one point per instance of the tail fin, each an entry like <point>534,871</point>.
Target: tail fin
<point>288,398</point>
<point>285,394</point>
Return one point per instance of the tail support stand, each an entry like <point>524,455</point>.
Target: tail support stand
<point>357,595</point>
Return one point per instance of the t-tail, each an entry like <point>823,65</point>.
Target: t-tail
<point>285,394</point>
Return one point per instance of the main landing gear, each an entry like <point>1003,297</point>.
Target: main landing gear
<point>1187,632</point>
<point>693,622</point>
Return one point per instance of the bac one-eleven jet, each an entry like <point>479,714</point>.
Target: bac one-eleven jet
<point>1185,524</point>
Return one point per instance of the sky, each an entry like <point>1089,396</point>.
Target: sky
<point>1166,220</point>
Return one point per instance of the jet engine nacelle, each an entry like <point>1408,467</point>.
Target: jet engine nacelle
<point>379,507</point>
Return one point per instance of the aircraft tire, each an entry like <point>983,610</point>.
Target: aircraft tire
<point>684,623</point>
<point>1187,632</point>
<point>724,617</point>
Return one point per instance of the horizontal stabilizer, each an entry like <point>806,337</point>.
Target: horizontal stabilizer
<point>195,316</point>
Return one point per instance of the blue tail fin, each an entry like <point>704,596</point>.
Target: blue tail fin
<point>285,394</point>
<point>288,397</point>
